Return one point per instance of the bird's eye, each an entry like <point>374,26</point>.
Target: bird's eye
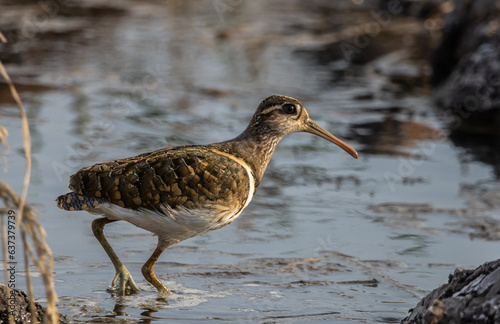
<point>289,109</point>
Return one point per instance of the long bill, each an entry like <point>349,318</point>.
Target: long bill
<point>313,128</point>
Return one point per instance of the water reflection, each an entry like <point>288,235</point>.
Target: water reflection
<point>482,148</point>
<point>392,136</point>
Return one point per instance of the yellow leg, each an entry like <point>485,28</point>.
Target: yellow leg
<point>147,271</point>
<point>127,284</point>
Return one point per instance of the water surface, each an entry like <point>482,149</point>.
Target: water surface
<point>326,237</point>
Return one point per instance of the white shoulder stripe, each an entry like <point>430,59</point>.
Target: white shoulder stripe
<point>251,178</point>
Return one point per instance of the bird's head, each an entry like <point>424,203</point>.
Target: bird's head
<point>278,116</point>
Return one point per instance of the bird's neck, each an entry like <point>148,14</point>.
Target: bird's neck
<point>255,149</point>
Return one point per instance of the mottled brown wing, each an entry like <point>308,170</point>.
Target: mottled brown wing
<point>187,176</point>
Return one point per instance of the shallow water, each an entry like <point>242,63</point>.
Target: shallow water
<point>326,237</point>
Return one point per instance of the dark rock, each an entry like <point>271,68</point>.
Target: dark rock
<point>470,296</point>
<point>466,66</point>
<point>17,303</point>
<point>467,27</point>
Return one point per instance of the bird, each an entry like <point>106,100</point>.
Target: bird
<point>181,192</point>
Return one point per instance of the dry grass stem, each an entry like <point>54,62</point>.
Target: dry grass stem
<point>27,221</point>
<point>3,140</point>
<point>26,138</point>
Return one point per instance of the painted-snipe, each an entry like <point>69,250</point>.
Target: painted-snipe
<point>184,191</point>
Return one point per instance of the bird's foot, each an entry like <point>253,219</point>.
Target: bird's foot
<point>126,284</point>
<point>163,293</point>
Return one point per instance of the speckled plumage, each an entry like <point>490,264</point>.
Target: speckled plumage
<point>75,201</point>
<point>184,191</point>
<point>182,176</point>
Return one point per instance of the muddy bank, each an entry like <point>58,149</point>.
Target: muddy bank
<point>470,296</point>
<point>17,303</point>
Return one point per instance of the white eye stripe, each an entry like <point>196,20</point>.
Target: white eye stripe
<point>268,110</point>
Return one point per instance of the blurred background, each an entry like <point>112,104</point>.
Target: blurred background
<point>412,85</point>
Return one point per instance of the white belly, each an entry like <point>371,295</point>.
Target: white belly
<point>173,225</point>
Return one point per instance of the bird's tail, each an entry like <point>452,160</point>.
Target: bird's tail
<point>76,201</point>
